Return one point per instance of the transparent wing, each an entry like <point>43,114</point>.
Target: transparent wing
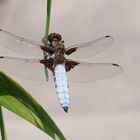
<point>88,72</point>
<point>88,49</point>
<point>19,44</point>
<point>30,69</point>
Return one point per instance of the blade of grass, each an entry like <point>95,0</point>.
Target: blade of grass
<point>18,100</point>
<point>2,126</point>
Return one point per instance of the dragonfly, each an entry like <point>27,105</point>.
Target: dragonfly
<point>57,62</point>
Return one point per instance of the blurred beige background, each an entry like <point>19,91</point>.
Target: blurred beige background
<point>103,110</point>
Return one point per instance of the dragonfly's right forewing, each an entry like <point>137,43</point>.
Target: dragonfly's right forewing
<point>89,49</point>
<point>19,44</point>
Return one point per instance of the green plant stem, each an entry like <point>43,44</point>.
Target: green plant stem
<point>2,126</point>
<point>48,17</point>
<point>49,3</point>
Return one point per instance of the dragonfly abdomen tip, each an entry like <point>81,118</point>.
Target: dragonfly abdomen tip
<point>66,109</point>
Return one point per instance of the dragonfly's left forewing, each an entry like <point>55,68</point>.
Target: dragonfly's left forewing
<point>89,72</point>
<point>19,44</point>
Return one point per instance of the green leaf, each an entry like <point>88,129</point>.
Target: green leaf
<point>2,126</point>
<point>19,101</point>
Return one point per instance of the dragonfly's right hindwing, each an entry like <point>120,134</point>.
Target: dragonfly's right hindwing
<point>89,72</point>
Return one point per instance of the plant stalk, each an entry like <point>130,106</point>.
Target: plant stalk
<point>2,126</point>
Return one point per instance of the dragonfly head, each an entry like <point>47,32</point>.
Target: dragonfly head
<point>54,39</point>
<point>54,36</point>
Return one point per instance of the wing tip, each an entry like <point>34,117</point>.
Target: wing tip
<point>1,56</point>
<point>110,37</point>
<point>0,29</point>
<point>107,36</point>
<point>116,65</point>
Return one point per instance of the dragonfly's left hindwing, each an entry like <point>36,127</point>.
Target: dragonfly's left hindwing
<point>31,69</point>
